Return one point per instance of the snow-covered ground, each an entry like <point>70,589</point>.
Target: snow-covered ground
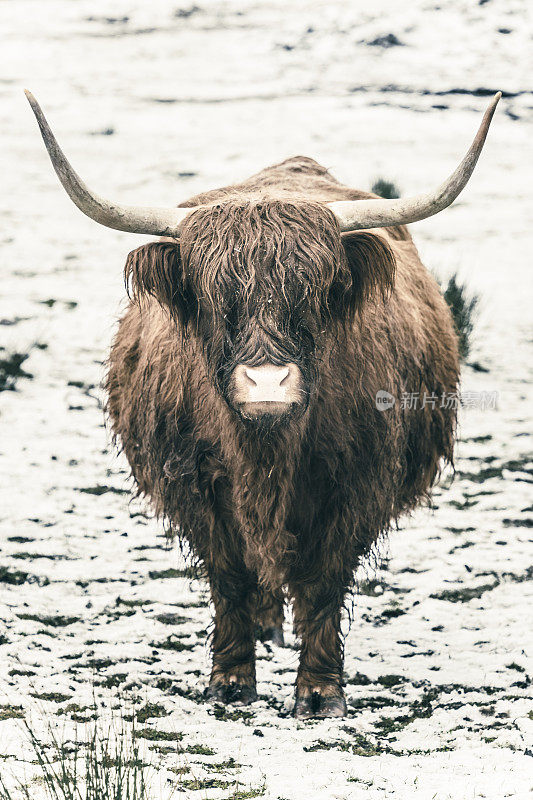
<point>154,102</point>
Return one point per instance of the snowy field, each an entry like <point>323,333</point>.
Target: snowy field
<point>154,102</point>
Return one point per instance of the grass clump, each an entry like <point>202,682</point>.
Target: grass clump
<point>224,714</point>
<point>172,619</point>
<point>463,306</point>
<point>15,577</point>
<point>104,765</point>
<point>113,681</point>
<point>151,710</point>
<point>197,784</point>
<point>77,713</point>
<point>390,680</point>
<point>515,666</point>
<point>373,702</point>
<point>10,712</point>
<point>359,679</point>
<point>230,763</point>
<point>172,642</point>
<point>171,572</point>
<point>52,622</point>
<point>464,595</point>
<point>100,490</point>
<point>390,613</point>
<point>204,783</point>
<point>158,736</point>
<point>51,697</point>
<point>386,189</point>
<point>198,750</point>
<point>132,603</point>
<point>360,746</point>
<point>244,794</point>
<point>11,370</point>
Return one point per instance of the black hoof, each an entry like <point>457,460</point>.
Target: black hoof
<point>315,706</point>
<point>237,694</point>
<point>274,635</point>
<point>303,708</point>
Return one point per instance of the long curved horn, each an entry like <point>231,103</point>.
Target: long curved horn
<point>354,215</point>
<point>150,220</point>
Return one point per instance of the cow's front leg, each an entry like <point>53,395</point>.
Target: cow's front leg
<point>317,615</point>
<point>233,644</point>
<point>269,616</point>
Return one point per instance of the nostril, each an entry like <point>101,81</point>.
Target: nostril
<point>250,376</point>
<point>283,376</point>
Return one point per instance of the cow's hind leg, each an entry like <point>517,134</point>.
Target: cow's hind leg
<point>269,616</point>
<point>233,643</point>
<point>317,613</point>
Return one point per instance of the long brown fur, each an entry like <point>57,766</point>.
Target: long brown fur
<point>264,274</point>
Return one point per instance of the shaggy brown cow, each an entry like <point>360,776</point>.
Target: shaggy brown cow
<point>242,387</point>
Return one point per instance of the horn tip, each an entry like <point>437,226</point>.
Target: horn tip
<point>494,102</point>
<point>489,112</point>
<point>31,99</point>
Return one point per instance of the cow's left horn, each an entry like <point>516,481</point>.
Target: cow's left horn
<point>354,215</point>
<point>151,220</point>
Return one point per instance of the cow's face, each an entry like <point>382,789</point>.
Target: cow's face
<point>264,287</point>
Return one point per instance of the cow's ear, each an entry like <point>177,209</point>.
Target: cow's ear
<point>371,265</point>
<point>155,269</point>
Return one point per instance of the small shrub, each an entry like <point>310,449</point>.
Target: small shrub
<point>386,189</point>
<point>389,40</point>
<point>151,710</point>
<point>11,370</point>
<point>463,306</point>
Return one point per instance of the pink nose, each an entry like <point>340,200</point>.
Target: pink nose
<point>267,380</point>
<point>268,383</point>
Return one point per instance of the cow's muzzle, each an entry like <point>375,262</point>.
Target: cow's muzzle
<point>266,389</point>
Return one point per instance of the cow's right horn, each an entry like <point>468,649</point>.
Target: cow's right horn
<point>150,220</point>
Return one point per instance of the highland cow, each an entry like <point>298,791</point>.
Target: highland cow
<point>243,384</point>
